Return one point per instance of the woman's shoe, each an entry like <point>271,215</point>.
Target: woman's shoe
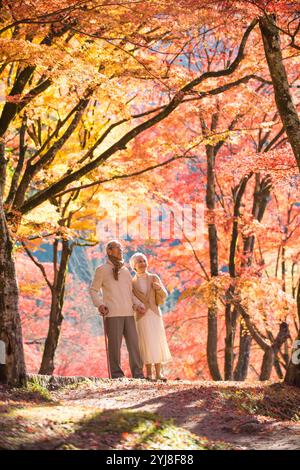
<point>149,379</point>
<point>162,378</point>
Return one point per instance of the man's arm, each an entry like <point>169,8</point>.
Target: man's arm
<point>136,302</point>
<point>96,288</point>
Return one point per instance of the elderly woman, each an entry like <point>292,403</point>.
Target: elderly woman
<point>149,289</point>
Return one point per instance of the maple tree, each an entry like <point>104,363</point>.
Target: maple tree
<point>65,239</point>
<point>93,91</point>
<point>38,74</point>
<point>245,228</point>
<point>81,350</point>
<point>275,19</point>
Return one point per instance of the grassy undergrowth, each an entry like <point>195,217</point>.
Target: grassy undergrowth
<point>275,401</point>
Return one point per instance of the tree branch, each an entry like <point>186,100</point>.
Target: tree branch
<point>39,265</point>
<point>58,186</point>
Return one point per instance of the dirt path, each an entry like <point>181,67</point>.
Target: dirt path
<point>119,414</point>
<point>204,408</point>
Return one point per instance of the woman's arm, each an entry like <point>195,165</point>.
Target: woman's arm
<point>160,290</point>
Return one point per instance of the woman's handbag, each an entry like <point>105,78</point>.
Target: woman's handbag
<point>159,300</point>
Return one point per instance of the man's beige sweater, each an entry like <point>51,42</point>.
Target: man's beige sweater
<point>116,295</point>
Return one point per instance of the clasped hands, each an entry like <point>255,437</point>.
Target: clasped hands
<point>140,309</point>
<point>103,310</point>
<point>156,285</point>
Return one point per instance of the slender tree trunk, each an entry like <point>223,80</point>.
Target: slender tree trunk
<point>10,323</point>
<point>286,108</point>
<point>56,317</point>
<point>283,277</point>
<point>292,376</point>
<point>260,201</point>
<point>278,368</point>
<point>241,370</point>
<point>242,366</point>
<point>229,340</point>
<point>231,313</point>
<point>212,343</point>
<point>271,351</point>
<point>212,336</point>
<point>212,325</point>
<point>267,364</point>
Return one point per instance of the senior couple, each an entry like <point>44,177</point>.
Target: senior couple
<point>130,308</point>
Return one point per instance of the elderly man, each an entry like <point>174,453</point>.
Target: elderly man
<point>111,293</point>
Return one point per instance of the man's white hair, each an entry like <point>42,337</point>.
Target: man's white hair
<point>111,242</point>
<point>135,257</point>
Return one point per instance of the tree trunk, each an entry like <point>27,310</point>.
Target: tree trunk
<point>278,368</point>
<point>241,370</point>
<point>232,316</point>
<point>292,376</point>
<point>260,201</point>
<point>212,325</point>
<point>267,364</point>
<point>14,372</point>
<point>229,340</point>
<point>56,317</point>
<point>271,351</point>
<point>283,98</point>
<point>212,344</point>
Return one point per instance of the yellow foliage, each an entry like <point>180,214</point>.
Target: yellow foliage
<point>44,214</point>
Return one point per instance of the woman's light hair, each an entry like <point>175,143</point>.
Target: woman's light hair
<point>135,257</point>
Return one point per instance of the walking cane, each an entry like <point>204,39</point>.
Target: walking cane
<point>106,347</point>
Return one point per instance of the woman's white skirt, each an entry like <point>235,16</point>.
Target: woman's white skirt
<point>152,339</point>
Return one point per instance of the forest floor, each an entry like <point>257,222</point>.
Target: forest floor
<point>136,414</point>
